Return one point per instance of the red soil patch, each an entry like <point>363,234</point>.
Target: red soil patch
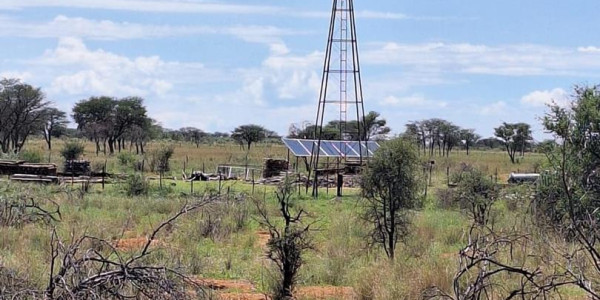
<point>263,238</point>
<point>223,284</point>
<point>325,292</point>
<point>133,244</point>
<point>242,296</point>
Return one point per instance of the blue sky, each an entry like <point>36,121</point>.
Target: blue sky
<point>218,64</point>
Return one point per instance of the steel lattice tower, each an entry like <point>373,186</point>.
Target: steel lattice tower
<point>341,86</point>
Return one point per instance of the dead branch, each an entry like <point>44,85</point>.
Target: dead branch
<point>81,269</point>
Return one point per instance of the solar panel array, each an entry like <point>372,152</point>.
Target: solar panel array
<point>346,149</point>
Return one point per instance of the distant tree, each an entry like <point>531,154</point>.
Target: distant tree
<point>524,137</point>
<point>390,188</point>
<point>141,134</point>
<point>490,142</point>
<point>513,136</point>
<point>107,120</point>
<point>94,118</point>
<point>21,113</point>
<point>55,120</point>
<point>248,134</point>
<point>373,127</point>
<point>194,135</point>
<point>469,137</point>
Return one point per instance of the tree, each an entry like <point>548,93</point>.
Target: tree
<point>21,113</point>
<point>289,239</point>
<point>569,201</point>
<point>54,120</point>
<point>513,136</point>
<point>469,137</point>
<point>390,187</point>
<point>524,137</point>
<point>373,126</point>
<point>248,134</point>
<point>107,120</point>
<point>192,134</point>
<point>93,117</point>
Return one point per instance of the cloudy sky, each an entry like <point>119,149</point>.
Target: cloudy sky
<point>218,64</point>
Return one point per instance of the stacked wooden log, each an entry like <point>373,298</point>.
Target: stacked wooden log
<point>11,167</point>
<point>35,178</point>
<point>77,167</point>
<point>274,167</point>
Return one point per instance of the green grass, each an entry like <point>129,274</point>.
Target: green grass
<point>427,258</point>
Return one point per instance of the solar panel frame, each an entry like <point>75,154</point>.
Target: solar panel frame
<point>344,149</point>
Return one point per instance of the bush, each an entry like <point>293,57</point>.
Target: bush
<point>136,185</point>
<point>72,150</point>
<point>159,158</point>
<point>126,158</point>
<point>31,156</point>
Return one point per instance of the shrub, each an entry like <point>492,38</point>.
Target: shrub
<point>136,185</point>
<point>126,158</point>
<point>72,150</point>
<point>31,156</point>
<point>159,158</point>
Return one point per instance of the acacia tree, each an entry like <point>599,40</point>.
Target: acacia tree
<point>21,113</point>
<point>54,120</point>
<point>514,136</point>
<point>192,134</point>
<point>248,134</point>
<point>469,137</point>
<point>107,120</point>
<point>390,187</point>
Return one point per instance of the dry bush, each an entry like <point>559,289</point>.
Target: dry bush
<point>19,209</point>
<point>15,286</point>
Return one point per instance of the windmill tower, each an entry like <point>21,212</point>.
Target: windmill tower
<point>341,96</point>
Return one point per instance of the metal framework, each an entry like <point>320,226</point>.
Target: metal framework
<point>341,84</point>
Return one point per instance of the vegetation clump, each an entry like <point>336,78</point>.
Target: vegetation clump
<point>72,150</point>
<point>136,185</point>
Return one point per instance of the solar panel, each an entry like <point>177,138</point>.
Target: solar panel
<point>347,149</point>
<point>296,147</point>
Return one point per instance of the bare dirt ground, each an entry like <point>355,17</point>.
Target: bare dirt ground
<point>245,290</point>
<point>262,238</point>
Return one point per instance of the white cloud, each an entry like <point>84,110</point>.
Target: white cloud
<point>171,6</point>
<point>23,76</point>
<point>63,26</point>
<point>81,71</point>
<point>508,60</point>
<point>188,7</point>
<point>367,14</point>
<point>589,49</point>
<point>543,98</point>
<point>413,101</point>
<point>497,108</point>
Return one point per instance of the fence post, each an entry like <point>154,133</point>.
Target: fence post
<point>219,183</point>
<point>253,182</point>
<point>103,174</point>
<point>192,184</point>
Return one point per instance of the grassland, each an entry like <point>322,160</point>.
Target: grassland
<point>230,245</point>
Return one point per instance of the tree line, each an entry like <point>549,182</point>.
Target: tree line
<point>114,124</point>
